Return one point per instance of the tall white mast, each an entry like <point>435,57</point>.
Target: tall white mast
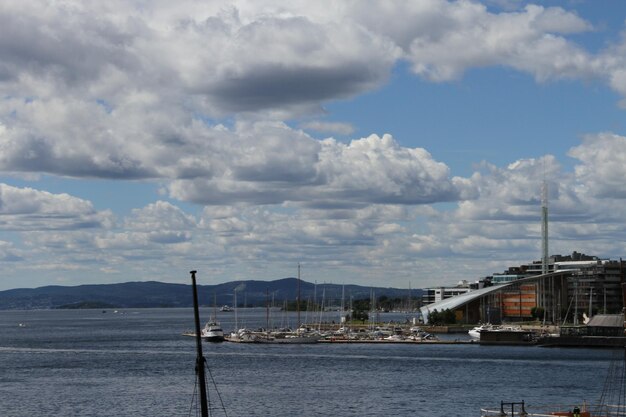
<point>544,228</point>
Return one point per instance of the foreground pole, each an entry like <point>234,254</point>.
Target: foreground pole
<point>204,408</point>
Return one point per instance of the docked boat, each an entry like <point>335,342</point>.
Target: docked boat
<point>283,336</point>
<point>212,332</point>
<point>486,328</point>
<point>295,339</point>
<point>475,332</point>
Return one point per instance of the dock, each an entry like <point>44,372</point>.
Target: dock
<point>408,341</point>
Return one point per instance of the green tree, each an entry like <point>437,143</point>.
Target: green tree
<point>537,312</point>
<point>360,315</point>
<point>440,318</point>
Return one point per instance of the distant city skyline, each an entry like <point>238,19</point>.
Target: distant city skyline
<point>394,144</point>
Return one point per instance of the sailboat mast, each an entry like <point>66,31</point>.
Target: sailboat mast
<point>319,323</point>
<point>343,303</point>
<point>298,303</point>
<point>235,305</point>
<point>267,309</point>
<point>204,408</point>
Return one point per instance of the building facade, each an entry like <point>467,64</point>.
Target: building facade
<point>575,284</point>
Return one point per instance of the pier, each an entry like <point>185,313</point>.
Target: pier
<point>410,342</point>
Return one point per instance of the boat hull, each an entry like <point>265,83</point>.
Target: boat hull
<point>214,339</point>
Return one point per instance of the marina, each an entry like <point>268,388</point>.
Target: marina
<point>517,335</point>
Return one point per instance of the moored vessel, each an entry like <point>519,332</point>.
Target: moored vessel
<point>475,332</point>
<point>212,332</point>
<point>514,409</point>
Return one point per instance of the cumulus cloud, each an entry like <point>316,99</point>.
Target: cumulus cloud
<point>514,192</point>
<point>442,39</point>
<point>586,209</point>
<point>290,167</point>
<point>313,62</point>
<point>158,223</point>
<point>149,233</point>
<point>161,216</point>
<point>30,209</point>
<point>151,239</point>
<point>329,236</point>
<point>228,56</point>
<point>378,169</point>
<point>602,167</point>
<point>70,138</point>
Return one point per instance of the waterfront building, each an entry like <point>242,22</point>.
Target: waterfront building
<point>574,284</point>
<point>433,295</point>
<point>597,287</point>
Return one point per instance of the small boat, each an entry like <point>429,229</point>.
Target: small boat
<point>212,332</point>
<point>297,338</point>
<point>519,409</point>
<point>612,402</point>
<point>226,308</point>
<point>475,332</point>
<point>282,336</point>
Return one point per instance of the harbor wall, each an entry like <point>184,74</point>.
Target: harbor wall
<point>583,341</point>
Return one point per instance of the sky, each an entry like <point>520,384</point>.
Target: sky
<point>395,144</point>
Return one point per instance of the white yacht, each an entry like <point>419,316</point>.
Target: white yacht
<point>475,332</point>
<point>213,332</point>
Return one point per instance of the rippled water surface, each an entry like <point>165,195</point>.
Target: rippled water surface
<point>137,363</point>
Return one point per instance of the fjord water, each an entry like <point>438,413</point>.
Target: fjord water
<point>137,363</point>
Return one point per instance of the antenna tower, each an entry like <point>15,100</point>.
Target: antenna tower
<point>544,228</point>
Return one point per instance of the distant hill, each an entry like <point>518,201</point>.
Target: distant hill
<point>250,293</point>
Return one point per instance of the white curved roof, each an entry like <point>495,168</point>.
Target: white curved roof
<point>457,301</point>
